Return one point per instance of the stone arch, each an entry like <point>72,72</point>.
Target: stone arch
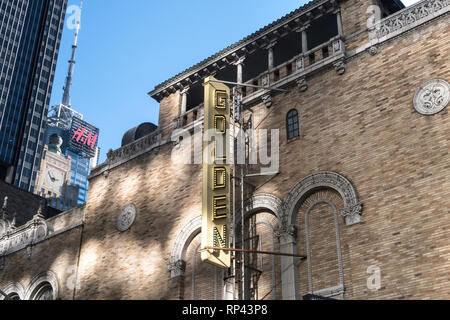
<point>352,207</point>
<point>43,278</point>
<point>177,263</point>
<point>260,202</point>
<point>14,288</point>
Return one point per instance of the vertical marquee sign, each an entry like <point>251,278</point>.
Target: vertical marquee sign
<point>216,175</point>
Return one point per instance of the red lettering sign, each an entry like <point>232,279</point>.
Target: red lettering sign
<point>90,140</point>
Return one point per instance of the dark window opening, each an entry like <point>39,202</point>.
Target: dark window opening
<point>255,64</point>
<point>292,124</point>
<point>325,52</point>
<point>322,30</point>
<point>195,96</point>
<point>289,69</point>
<point>287,48</point>
<point>276,75</point>
<point>312,58</point>
<point>229,73</point>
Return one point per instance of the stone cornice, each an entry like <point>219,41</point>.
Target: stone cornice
<point>34,232</point>
<point>263,37</point>
<point>401,24</point>
<point>129,152</point>
<point>17,239</point>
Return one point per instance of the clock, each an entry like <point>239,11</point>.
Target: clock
<point>54,180</point>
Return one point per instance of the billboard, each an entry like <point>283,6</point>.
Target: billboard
<point>83,138</point>
<point>216,176</point>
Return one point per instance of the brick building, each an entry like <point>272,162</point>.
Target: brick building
<point>361,190</point>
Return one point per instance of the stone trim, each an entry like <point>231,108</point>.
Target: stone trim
<point>264,201</point>
<point>177,263</point>
<point>353,208</point>
<point>42,278</point>
<point>407,19</point>
<point>376,41</point>
<point>336,292</point>
<point>297,19</point>
<point>31,233</point>
<point>14,288</point>
<point>331,61</point>
<point>129,152</point>
<point>28,235</point>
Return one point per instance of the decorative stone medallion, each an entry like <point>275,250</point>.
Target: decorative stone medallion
<point>432,97</point>
<point>126,218</point>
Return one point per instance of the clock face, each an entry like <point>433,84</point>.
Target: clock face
<point>54,180</point>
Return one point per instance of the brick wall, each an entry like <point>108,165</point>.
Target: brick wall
<point>361,125</point>
<point>58,254</point>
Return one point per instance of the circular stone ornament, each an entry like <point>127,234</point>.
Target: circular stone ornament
<point>126,218</point>
<point>432,97</point>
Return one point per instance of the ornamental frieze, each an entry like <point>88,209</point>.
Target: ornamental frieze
<point>15,239</point>
<point>410,17</point>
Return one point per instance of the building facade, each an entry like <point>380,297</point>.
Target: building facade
<point>54,178</point>
<point>82,149</point>
<point>29,41</point>
<point>359,199</point>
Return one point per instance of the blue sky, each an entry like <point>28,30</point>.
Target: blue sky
<point>126,48</point>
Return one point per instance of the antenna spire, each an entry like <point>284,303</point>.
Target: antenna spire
<point>66,95</point>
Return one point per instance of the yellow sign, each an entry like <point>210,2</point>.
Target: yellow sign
<point>216,175</point>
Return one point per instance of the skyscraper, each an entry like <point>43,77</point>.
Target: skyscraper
<point>80,139</point>
<point>30,35</point>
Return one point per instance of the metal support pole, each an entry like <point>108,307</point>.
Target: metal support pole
<point>242,222</point>
<point>234,195</point>
<point>258,252</point>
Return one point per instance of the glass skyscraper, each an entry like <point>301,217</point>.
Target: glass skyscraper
<point>80,138</point>
<point>30,35</point>
<point>79,175</point>
<point>65,122</point>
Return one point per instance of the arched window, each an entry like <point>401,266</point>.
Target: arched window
<point>43,287</point>
<point>292,126</point>
<point>13,296</point>
<point>14,291</point>
<point>44,292</point>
